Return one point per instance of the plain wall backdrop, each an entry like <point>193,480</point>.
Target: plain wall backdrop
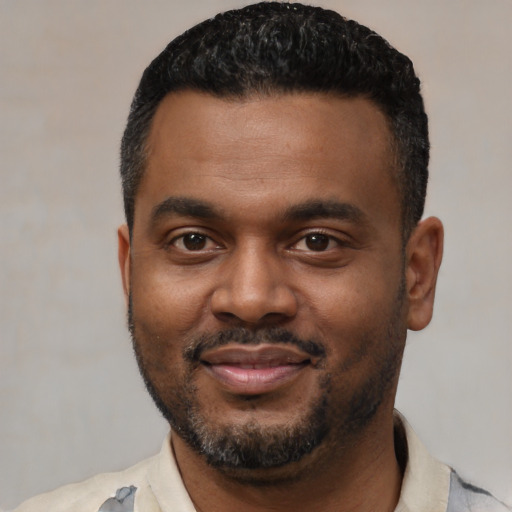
<point>71,400</point>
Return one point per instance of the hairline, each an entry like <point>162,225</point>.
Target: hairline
<point>396,165</point>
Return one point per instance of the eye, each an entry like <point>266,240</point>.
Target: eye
<point>193,242</point>
<point>316,242</point>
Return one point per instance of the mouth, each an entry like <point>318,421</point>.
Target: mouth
<point>255,370</point>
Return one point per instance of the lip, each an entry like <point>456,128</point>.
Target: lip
<point>254,370</point>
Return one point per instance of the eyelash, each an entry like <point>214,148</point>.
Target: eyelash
<point>323,235</point>
<point>204,236</point>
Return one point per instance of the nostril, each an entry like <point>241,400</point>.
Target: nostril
<point>269,319</point>
<point>226,317</point>
<point>252,296</point>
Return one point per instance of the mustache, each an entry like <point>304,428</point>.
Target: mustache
<point>243,336</point>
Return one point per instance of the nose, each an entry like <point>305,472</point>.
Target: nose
<point>252,289</point>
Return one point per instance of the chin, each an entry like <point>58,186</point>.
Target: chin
<point>251,448</point>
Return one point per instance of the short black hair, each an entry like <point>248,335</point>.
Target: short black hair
<point>275,47</point>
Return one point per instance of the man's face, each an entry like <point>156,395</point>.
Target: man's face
<point>266,274</point>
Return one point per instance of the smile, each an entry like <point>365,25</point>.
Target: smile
<point>254,370</point>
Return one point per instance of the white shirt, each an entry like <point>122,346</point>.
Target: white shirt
<point>155,485</point>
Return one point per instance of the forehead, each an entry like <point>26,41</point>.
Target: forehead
<point>307,118</point>
<point>269,148</point>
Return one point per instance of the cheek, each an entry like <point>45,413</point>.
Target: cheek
<point>167,304</point>
<point>349,306</point>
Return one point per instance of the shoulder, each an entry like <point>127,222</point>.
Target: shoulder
<point>431,485</point>
<point>465,497</point>
<point>91,494</point>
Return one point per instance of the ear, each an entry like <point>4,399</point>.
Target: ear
<point>424,253</point>
<point>123,254</point>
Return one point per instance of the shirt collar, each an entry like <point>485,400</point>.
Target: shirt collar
<point>425,484</point>
<point>426,481</point>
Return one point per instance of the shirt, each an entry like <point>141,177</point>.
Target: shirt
<point>155,485</point>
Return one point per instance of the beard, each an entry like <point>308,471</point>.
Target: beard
<point>248,446</point>
<point>235,448</point>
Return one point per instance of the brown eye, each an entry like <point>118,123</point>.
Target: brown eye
<point>194,241</point>
<point>317,242</point>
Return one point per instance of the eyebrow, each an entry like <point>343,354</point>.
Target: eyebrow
<point>309,210</point>
<point>184,206</point>
<point>332,209</point>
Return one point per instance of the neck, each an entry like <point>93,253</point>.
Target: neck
<point>363,475</point>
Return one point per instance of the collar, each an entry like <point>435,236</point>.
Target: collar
<point>426,481</point>
<point>425,485</point>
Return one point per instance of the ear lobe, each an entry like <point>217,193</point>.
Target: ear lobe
<point>123,254</point>
<point>424,253</point>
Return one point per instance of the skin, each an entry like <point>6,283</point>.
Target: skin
<point>344,280</point>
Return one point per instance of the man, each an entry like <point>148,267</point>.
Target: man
<point>274,172</point>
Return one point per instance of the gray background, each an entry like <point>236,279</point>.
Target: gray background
<point>71,400</point>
